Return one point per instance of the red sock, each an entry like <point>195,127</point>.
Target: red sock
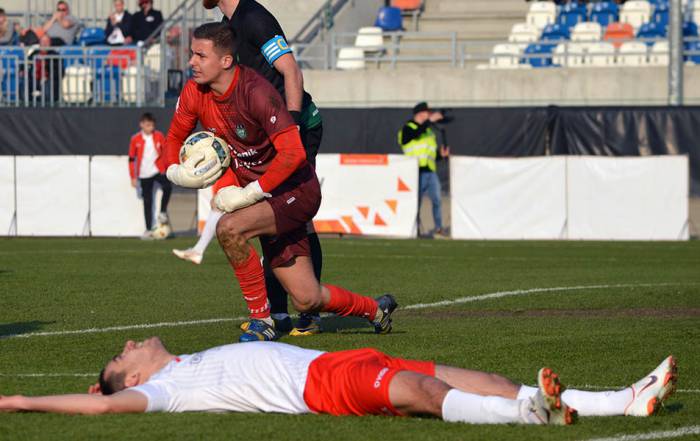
<point>344,302</point>
<point>251,277</point>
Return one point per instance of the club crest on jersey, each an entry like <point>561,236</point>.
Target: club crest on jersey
<point>241,131</point>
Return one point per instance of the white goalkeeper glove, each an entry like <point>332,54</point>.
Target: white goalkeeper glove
<point>234,198</point>
<point>189,175</point>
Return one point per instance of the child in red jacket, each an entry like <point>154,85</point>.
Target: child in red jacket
<point>147,166</point>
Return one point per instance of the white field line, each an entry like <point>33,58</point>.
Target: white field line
<point>38,375</point>
<point>665,434</point>
<point>494,295</point>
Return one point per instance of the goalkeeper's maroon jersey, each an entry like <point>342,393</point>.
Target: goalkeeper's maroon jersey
<point>251,117</point>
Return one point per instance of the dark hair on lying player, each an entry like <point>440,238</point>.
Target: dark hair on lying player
<point>113,384</point>
<point>220,34</point>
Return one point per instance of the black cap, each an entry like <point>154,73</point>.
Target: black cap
<point>420,107</point>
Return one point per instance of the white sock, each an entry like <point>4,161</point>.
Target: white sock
<point>464,407</point>
<point>209,231</point>
<point>605,403</point>
<point>279,316</point>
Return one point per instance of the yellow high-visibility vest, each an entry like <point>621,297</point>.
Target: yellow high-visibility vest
<point>424,147</point>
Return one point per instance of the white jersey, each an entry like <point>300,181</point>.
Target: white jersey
<point>244,377</point>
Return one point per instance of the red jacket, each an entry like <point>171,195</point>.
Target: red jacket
<point>136,147</point>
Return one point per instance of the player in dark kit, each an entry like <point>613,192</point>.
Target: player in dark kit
<point>275,193</point>
<point>262,45</point>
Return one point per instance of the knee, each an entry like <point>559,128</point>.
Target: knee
<point>228,233</point>
<point>306,302</point>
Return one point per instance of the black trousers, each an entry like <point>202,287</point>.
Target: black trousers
<point>276,294</point>
<point>147,192</point>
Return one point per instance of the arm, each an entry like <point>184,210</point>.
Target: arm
<point>290,155</point>
<point>409,133</point>
<point>122,402</point>
<point>293,82</point>
<point>66,22</point>
<point>132,159</point>
<point>51,21</point>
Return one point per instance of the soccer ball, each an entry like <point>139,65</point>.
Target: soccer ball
<point>161,232</point>
<point>214,149</point>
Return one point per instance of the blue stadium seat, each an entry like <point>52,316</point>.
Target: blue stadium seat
<point>690,29</point>
<point>389,19</point>
<point>91,36</point>
<point>545,50</point>
<point>651,30</point>
<point>693,46</point>
<point>605,13</point>
<point>10,81</point>
<point>661,14</point>
<point>555,32</point>
<point>73,55</point>
<point>571,14</point>
<point>11,57</point>
<point>657,3</point>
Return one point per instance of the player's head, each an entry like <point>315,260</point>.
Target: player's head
<point>133,366</point>
<point>210,4</point>
<point>147,122</point>
<point>212,52</point>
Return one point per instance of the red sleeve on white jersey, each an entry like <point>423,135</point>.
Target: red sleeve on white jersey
<point>183,123</point>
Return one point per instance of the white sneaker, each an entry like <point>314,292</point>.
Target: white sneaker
<point>649,392</point>
<point>546,406</point>
<point>147,235</point>
<point>189,254</point>
<point>163,218</point>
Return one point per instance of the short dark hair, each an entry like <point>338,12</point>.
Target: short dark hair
<point>148,116</point>
<point>2,11</point>
<point>112,384</point>
<point>220,34</point>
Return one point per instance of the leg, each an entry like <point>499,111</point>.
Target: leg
<point>422,189</point>
<point>147,193</point>
<point>167,190</point>
<point>434,192</point>
<point>476,382</point>
<point>209,230</point>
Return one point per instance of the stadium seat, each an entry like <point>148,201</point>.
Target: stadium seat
<point>696,12</point>
<point>587,31</point>
<point>11,58</point>
<point>539,55</point>
<point>693,58</point>
<point>659,54</point>
<point>350,58</point>
<point>690,29</point>
<point>541,14</point>
<point>370,39</point>
<point>661,14</point>
<point>389,19</point>
<point>72,55</point>
<point>600,54</point>
<point>76,86</point>
<point>152,59</point>
<point>635,12</point>
<point>618,32</point>
<point>571,14</point>
<point>604,13</point>
<point>569,54</point>
<point>412,8</point>
<point>651,30</point>
<point>632,53</point>
<point>122,57</point>
<point>129,85</point>
<point>505,56</point>
<point>91,37</point>
<point>522,34</point>
<point>555,32</point>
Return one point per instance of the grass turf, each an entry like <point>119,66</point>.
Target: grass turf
<point>643,303</point>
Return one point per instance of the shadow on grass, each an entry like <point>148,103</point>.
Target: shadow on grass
<point>336,324</point>
<point>673,408</point>
<point>8,330</point>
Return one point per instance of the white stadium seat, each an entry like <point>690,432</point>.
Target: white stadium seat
<point>541,14</point>
<point>351,58</point>
<point>632,53</point>
<point>370,39</point>
<point>635,12</point>
<point>505,56</point>
<point>76,86</point>
<point>569,54</point>
<point>587,31</point>
<point>600,54</point>
<point>659,54</point>
<point>696,11</point>
<point>523,34</point>
<point>152,59</point>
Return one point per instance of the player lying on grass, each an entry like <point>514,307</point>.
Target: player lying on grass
<point>276,377</point>
<point>279,192</point>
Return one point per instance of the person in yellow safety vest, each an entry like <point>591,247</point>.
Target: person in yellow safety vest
<point>417,139</point>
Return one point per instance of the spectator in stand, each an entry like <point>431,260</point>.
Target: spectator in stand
<point>9,31</point>
<point>118,29</point>
<point>45,71</point>
<point>62,27</point>
<point>146,21</point>
<point>146,167</point>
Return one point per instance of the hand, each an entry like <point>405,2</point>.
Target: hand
<point>233,198</point>
<point>95,389</point>
<point>133,183</point>
<point>128,40</point>
<point>444,151</point>
<point>436,116</point>
<point>10,404</point>
<point>191,174</point>
<point>56,15</point>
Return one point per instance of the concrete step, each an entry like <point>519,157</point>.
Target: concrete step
<point>476,6</point>
<point>496,28</point>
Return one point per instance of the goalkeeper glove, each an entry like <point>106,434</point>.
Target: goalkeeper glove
<point>234,198</point>
<point>189,175</point>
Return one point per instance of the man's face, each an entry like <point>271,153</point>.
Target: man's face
<point>421,117</point>
<point>147,126</point>
<point>62,9</point>
<point>119,6</point>
<point>145,4</point>
<point>134,357</point>
<point>205,61</point>
<point>210,4</point>
<point>3,19</point>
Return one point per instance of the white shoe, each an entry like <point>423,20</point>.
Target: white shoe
<point>189,254</point>
<point>163,218</point>
<point>546,406</point>
<point>649,392</point>
<point>147,235</point>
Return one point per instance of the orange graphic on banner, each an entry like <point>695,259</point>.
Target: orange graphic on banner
<point>392,204</point>
<point>351,224</point>
<point>402,186</point>
<point>329,226</point>
<point>359,159</point>
<point>379,221</point>
<point>364,211</point>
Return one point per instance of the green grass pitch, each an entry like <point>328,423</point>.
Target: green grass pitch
<point>642,303</point>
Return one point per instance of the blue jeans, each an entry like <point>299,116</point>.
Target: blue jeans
<point>429,182</point>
